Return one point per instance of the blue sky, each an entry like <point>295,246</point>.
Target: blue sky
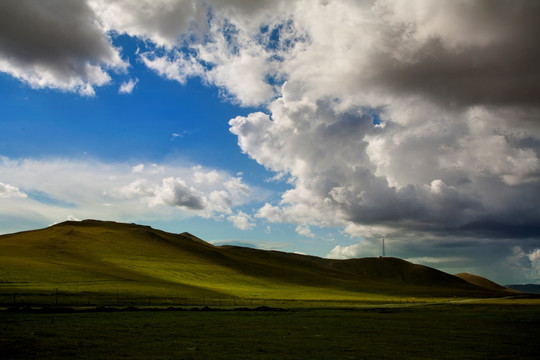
<point>159,122</point>
<point>315,127</point>
<point>114,126</point>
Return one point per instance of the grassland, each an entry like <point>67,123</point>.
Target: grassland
<point>373,308</point>
<point>95,257</point>
<point>506,330</point>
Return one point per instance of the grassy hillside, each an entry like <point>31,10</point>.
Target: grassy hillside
<point>482,282</point>
<point>113,257</point>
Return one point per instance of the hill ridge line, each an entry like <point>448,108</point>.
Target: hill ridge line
<point>184,263</point>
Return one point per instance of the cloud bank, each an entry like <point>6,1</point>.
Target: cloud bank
<point>392,116</point>
<point>50,191</point>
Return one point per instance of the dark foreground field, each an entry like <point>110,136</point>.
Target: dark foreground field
<point>464,331</point>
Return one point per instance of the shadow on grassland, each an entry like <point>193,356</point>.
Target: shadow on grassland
<point>497,330</point>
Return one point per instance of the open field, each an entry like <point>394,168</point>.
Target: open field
<point>88,299</point>
<point>499,329</point>
<point>59,284</point>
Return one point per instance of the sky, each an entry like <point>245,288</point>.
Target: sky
<point>317,127</point>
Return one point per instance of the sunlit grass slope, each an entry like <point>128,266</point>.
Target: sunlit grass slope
<point>113,257</point>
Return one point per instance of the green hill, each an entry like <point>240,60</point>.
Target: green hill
<point>482,282</point>
<point>109,257</point>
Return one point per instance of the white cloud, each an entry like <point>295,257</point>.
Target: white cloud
<point>137,188</point>
<point>241,220</point>
<point>304,231</point>
<point>175,67</point>
<point>226,48</point>
<point>112,191</point>
<point>346,252</point>
<point>271,213</point>
<point>433,261</point>
<point>128,86</point>
<point>9,191</point>
<point>534,255</point>
<point>209,177</point>
<point>161,21</point>
<point>522,264</point>
<point>197,190</point>
<point>241,74</point>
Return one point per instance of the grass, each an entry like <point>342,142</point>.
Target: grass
<point>110,258</point>
<point>355,309</point>
<point>465,331</point>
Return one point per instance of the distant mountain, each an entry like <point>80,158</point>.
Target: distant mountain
<point>105,256</point>
<point>527,288</point>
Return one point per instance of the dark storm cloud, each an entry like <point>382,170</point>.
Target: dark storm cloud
<point>50,31</point>
<point>511,228</point>
<point>498,64</point>
<point>55,43</point>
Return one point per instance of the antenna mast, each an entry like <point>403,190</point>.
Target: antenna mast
<point>383,250</point>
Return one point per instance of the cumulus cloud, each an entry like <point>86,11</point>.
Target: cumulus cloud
<point>347,252</point>
<point>534,255</point>
<point>242,221</point>
<point>522,263</point>
<point>91,189</point>
<point>225,43</point>
<point>174,66</point>
<point>202,191</point>
<point>415,120</point>
<point>304,231</point>
<point>175,192</point>
<point>206,177</point>
<point>453,53</point>
<point>393,118</point>
<point>240,73</point>
<point>56,44</point>
<point>162,22</point>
